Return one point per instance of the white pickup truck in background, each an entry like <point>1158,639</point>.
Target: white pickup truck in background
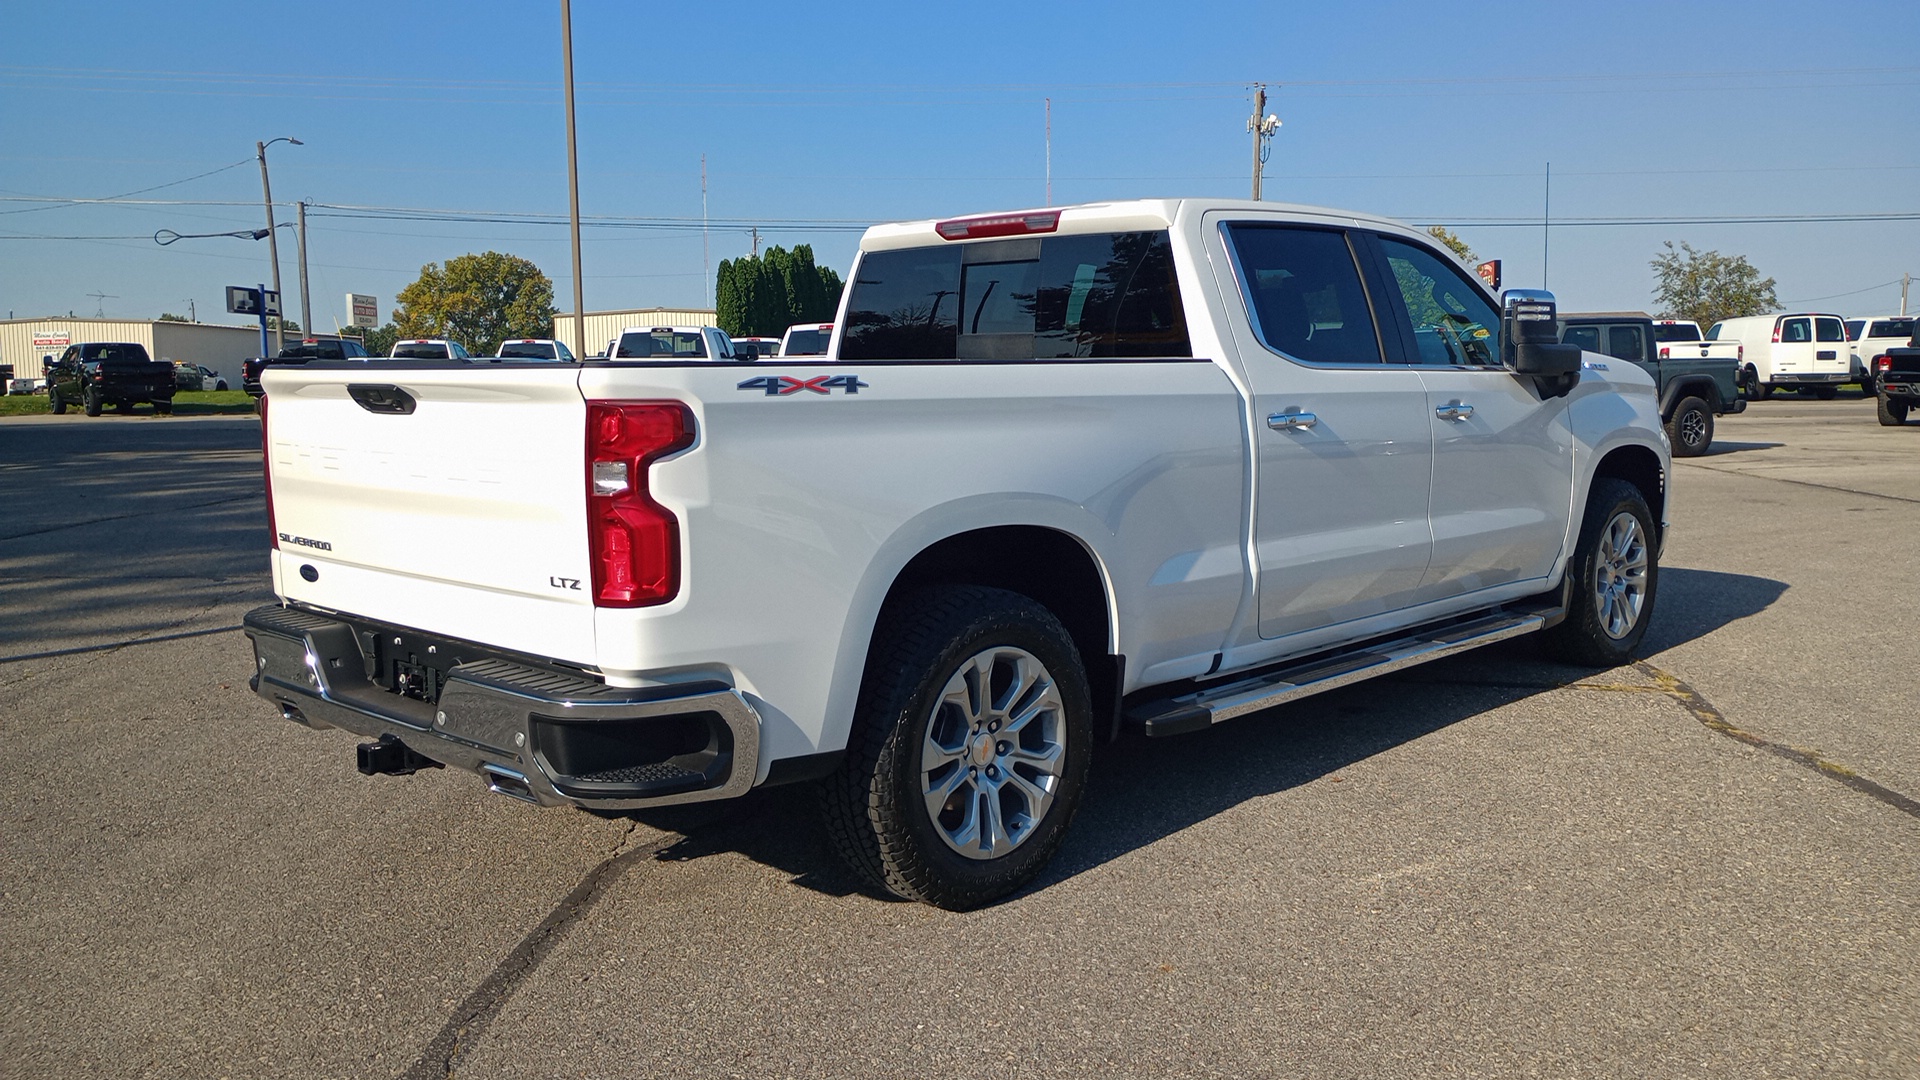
<point>1682,339</point>
<point>1138,466</point>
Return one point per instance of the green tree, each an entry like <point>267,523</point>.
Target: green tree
<point>1707,287</point>
<point>378,340</point>
<point>477,300</point>
<point>168,316</point>
<point>762,296</point>
<point>1454,243</point>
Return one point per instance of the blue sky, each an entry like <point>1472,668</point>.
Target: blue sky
<point>814,118</point>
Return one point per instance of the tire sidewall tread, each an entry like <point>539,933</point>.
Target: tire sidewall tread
<point>873,804</point>
<point>1579,639</point>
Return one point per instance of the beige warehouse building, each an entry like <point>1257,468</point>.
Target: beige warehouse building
<point>604,326</point>
<point>24,342</point>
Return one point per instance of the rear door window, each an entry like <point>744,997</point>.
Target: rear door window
<point>1625,343</point>
<point>1304,293</point>
<point>1056,297</point>
<point>1796,332</point>
<point>1830,330</point>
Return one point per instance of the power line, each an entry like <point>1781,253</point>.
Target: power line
<point>1836,296</point>
<point>125,194</point>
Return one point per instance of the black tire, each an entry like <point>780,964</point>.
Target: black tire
<point>1593,634</point>
<point>1867,388</point>
<point>1690,428</point>
<point>90,398</point>
<point>1892,411</point>
<point>1757,390</point>
<point>55,402</point>
<point>221,385</point>
<point>1826,393</point>
<point>163,408</point>
<point>877,804</point>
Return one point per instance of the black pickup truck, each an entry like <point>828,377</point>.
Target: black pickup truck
<point>310,349</point>
<point>95,375</point>
<point>1898,378</point>
<point>1693,389</point>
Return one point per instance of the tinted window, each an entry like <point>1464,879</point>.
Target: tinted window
<point>1665,332</point>
<point>808,342</point>
<point>1795,332</point>
<point>1830,330</point>
<point>1587,337</point>
<point>117,353</point>
<point>1853,328</point>
<point>1452,322</point>
<point>420,352</point>
<point>1303,291</point>
<point>1625,343</point>
<point>1713,332</point>
<point>1092,296</point>
<point>512,351</point>
<point>660,345</point>
<point>1898,328</point>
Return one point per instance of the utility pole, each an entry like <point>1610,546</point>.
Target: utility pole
<point>706,259</point>
<point>1905,280</point>
<point>573,187</point>
<point>306,305</point>
<point>1049,151</point>
<point>1263,128</point>
<point>273,244</point>
<point>1546,225</point>
<point>756,241</point>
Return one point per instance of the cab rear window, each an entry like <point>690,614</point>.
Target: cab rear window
<point>1095,296</point>
<point>660,345</point>
<point>1897,328</point>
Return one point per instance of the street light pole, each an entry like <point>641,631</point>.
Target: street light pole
<point>273,246</point>
<point>306,305</point>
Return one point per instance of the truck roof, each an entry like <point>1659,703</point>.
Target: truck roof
<point>1569,316</point>
<point>1136,215</point>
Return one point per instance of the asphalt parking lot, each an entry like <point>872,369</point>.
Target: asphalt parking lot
<point>1706,864</point>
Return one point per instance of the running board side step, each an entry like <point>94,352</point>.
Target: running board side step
<point>1210,705</point>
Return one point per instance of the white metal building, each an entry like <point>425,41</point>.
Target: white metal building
<point>25,342</point>
<point>604,326</point>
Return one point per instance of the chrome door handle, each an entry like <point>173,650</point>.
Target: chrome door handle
<point>1455,411</point>
<point>1292,421</point>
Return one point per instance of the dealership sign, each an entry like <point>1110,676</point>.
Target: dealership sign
<point>364,310</point>
<point>52,339</point>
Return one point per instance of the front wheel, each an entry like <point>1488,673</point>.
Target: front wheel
<point>1614,578</point>
<point>1757,390</point>
<point>55,402</point>
<point>969,748</point>
<point>1893,411</point>
<point>1867,388</point>
<point>221,385</point>
<point>1690,430</point>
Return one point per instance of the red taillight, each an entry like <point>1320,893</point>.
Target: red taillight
<point>1739,352</point>
<point>634,542</point>
<point>266,469</point>
<point>1663,352</point>
<point>1883,362</point>
<point>1776,333</point>
<point>1044,221</point>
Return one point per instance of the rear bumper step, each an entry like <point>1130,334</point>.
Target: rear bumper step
<point>537,735</point>
<point>1206,706</point>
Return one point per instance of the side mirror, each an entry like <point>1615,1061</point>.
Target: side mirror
<point>1530,336</point>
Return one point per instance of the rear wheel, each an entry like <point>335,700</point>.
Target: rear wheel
<point>163,408</point>
<point>1892,411</point>
<point>969,748</point>
<point>90,397</point>
<point>1826,393</point>
<point>55,402</point>
<point>1614,578</point>
<point>1690,429</point>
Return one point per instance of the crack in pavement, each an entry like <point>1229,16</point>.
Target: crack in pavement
<point>472,1016</point>
<point>1800,483</point>
<point>167,509</point>
<point>129,643</point>
<point>1704,711</point>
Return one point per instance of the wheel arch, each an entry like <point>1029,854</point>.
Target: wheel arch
<point>1700,386</point>
<point>1640,466</point>
<point>1049,565</point>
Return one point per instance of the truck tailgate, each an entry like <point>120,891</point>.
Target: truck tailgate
<point>451,499</point>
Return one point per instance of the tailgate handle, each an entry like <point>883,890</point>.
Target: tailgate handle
<point>1827,354</point>
<point>381,398</point>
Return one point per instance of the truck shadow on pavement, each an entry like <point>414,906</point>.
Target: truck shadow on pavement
<point>1143,791</point>
<point>1722,447</point>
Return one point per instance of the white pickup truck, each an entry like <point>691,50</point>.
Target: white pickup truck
<point>1138,466</point>
<point>1681,339</point>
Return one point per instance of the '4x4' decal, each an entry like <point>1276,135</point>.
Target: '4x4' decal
<point>782,385</point>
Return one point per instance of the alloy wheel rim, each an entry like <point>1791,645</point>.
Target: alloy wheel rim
<point>1693,428</point>
<point>1620,576</point>
<point>994,752</point>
